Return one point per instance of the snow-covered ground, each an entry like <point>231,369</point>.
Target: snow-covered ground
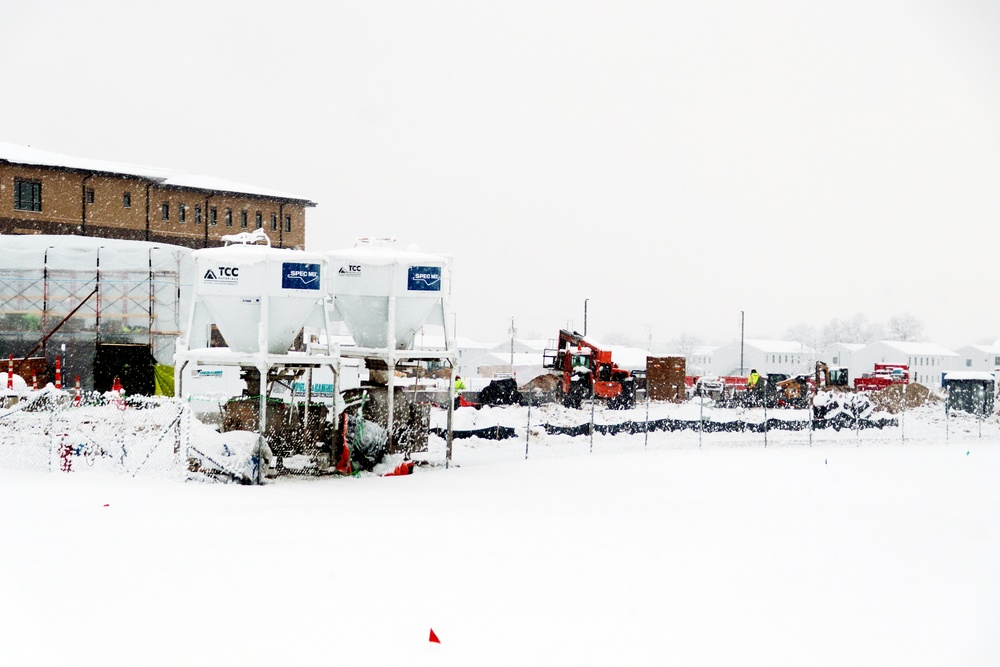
<point>862,548</point>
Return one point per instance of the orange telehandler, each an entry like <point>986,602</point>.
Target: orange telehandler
<point>587,372</point>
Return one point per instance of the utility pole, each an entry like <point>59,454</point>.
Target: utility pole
<point>741,343</point>
<point>513,332</point>
<point>585,317</point>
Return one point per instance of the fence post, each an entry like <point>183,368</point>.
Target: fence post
<point>52,434</point>
<point>527,431</point>
<point>765,424</point>
<point>593,402</point>
<point>124,452</point>
<point>645,428</point>
<point>811,416</point>
<point>701,417</point>
<point>178,429</point>
<point>902,417</point>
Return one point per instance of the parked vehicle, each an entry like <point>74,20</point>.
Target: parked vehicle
<point>883,376</point>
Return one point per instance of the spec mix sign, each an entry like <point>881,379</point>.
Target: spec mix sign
<point>295,275</point>
<point>424,279</point>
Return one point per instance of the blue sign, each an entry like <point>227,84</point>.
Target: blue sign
<point>424,279</point>
<point>295,275</point>
<point>319,389</point>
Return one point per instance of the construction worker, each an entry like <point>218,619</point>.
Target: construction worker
<point>753,380</point>
<point>459,385</point>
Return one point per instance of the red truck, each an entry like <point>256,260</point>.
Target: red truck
<point>883,376</point>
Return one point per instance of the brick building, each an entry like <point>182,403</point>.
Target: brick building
<point>49,193</point>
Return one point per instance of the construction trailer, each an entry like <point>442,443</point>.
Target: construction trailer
<point>970,391</point>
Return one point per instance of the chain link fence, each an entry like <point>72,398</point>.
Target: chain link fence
<point>508,433</point>
<point>53,431</point>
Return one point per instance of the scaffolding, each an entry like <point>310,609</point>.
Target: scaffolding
<point>75,294</point>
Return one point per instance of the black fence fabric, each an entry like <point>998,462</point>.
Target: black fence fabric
<point>705,426</point>
<point>488,433</point>
<point>709,426</point>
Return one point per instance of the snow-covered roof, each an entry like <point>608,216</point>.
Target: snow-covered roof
<point>629,358</point>
<point>539,344</point>
<point>26,155</point>
<point>466,343</point>
<point>852,347</point>
<point>915,349</point>
<point>993,348</point>
<point>969,375</point>
<point>775,346</point>
<point>27,242</point>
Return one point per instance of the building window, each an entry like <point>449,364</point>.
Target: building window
<point>229,217</point>
<point>243,219</point>
<point>274,222</point>
<point>90,195</point>
<point>127,200</point>
<point>165,211</point>
<point>259,220</point>
<point>181,213</point>
<point>996,361</point>
<point>197,215</point>
<point>288,223</point>
<point>27,195</point>
<point>213,217</point>
<point>968,362</point>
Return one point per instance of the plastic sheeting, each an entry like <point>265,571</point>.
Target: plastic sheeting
<point>141,291</point>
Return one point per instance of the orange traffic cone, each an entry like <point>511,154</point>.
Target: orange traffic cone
<point>34,383</point>
<point>117,385</point>
<point>76,399</point>
<point>58,373</point>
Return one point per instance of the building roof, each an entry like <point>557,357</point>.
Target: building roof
<point>969,375</point>
<point>26,155</point>
<point>853,347</point>
<point>775,346</point>
<point>993,348</point>
<point>913,348</point>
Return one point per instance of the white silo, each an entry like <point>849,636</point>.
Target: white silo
<point>259,297</point>
<point>385,295</point>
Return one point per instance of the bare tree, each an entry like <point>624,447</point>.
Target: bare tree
<point>905,327</point>
<point>806,334</point>
<point>856,329</point>
<point>686,344</point>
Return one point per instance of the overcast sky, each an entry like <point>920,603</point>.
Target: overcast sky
<point>671,163</point>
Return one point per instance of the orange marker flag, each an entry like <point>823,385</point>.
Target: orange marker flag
<point>434,637</point>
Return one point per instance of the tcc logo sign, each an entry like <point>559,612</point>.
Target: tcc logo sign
<point>223,274</point>
<point>350,270</point>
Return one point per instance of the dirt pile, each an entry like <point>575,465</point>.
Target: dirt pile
<point>542,384</point>
<point>893,398</point>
